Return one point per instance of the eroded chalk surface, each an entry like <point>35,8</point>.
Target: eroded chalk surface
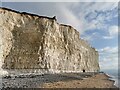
<point>40,43</point>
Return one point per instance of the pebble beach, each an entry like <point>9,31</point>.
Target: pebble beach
<point>63,80</point>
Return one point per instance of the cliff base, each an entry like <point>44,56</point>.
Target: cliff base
<point>63,80</point>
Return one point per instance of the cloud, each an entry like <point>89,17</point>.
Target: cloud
<point>96,15</point>
<point>107,37</point>
<point>83,16</point>
<point>91,37</point>
<point>68,16</point>
<point>109,58</point>
<point>109,50</point>
<point>82,19</point>
<point>109,64</point>
<point>113,32</point>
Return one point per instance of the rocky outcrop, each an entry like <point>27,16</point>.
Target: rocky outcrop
<point>30,41</point>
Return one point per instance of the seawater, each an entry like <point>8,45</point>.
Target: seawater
<point>116,79</point>
<point>114,76</point>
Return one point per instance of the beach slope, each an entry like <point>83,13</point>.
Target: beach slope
<point>96,81</point>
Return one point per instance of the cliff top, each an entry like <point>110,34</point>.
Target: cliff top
<point>25,13</point>
<point>36,15</point>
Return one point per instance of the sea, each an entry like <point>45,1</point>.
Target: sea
<point>114,75</point>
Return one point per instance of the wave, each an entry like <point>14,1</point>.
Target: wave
<point>114,78</point>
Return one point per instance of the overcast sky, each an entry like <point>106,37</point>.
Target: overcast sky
<point>97,23</point>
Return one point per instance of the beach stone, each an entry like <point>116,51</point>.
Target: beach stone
<point>37,42</point>
<point>7,77</point>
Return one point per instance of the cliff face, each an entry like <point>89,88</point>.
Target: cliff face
<point>35,42</point>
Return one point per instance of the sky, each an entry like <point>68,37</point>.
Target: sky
<point>97,23</point>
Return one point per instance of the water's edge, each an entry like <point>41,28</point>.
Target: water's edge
<point>111,78</point>
<point>48,77</point>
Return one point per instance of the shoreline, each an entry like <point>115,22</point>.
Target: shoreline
<point>104,82</point>
<point>62,80</point>
<point>113,78</point>
<point>115,81</point>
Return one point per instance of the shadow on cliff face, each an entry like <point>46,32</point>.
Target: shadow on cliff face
<point>35,81</point>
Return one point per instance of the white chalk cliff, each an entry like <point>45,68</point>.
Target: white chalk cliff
<point>30,41</point>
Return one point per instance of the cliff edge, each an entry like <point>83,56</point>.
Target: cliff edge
<point>29,41</point>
